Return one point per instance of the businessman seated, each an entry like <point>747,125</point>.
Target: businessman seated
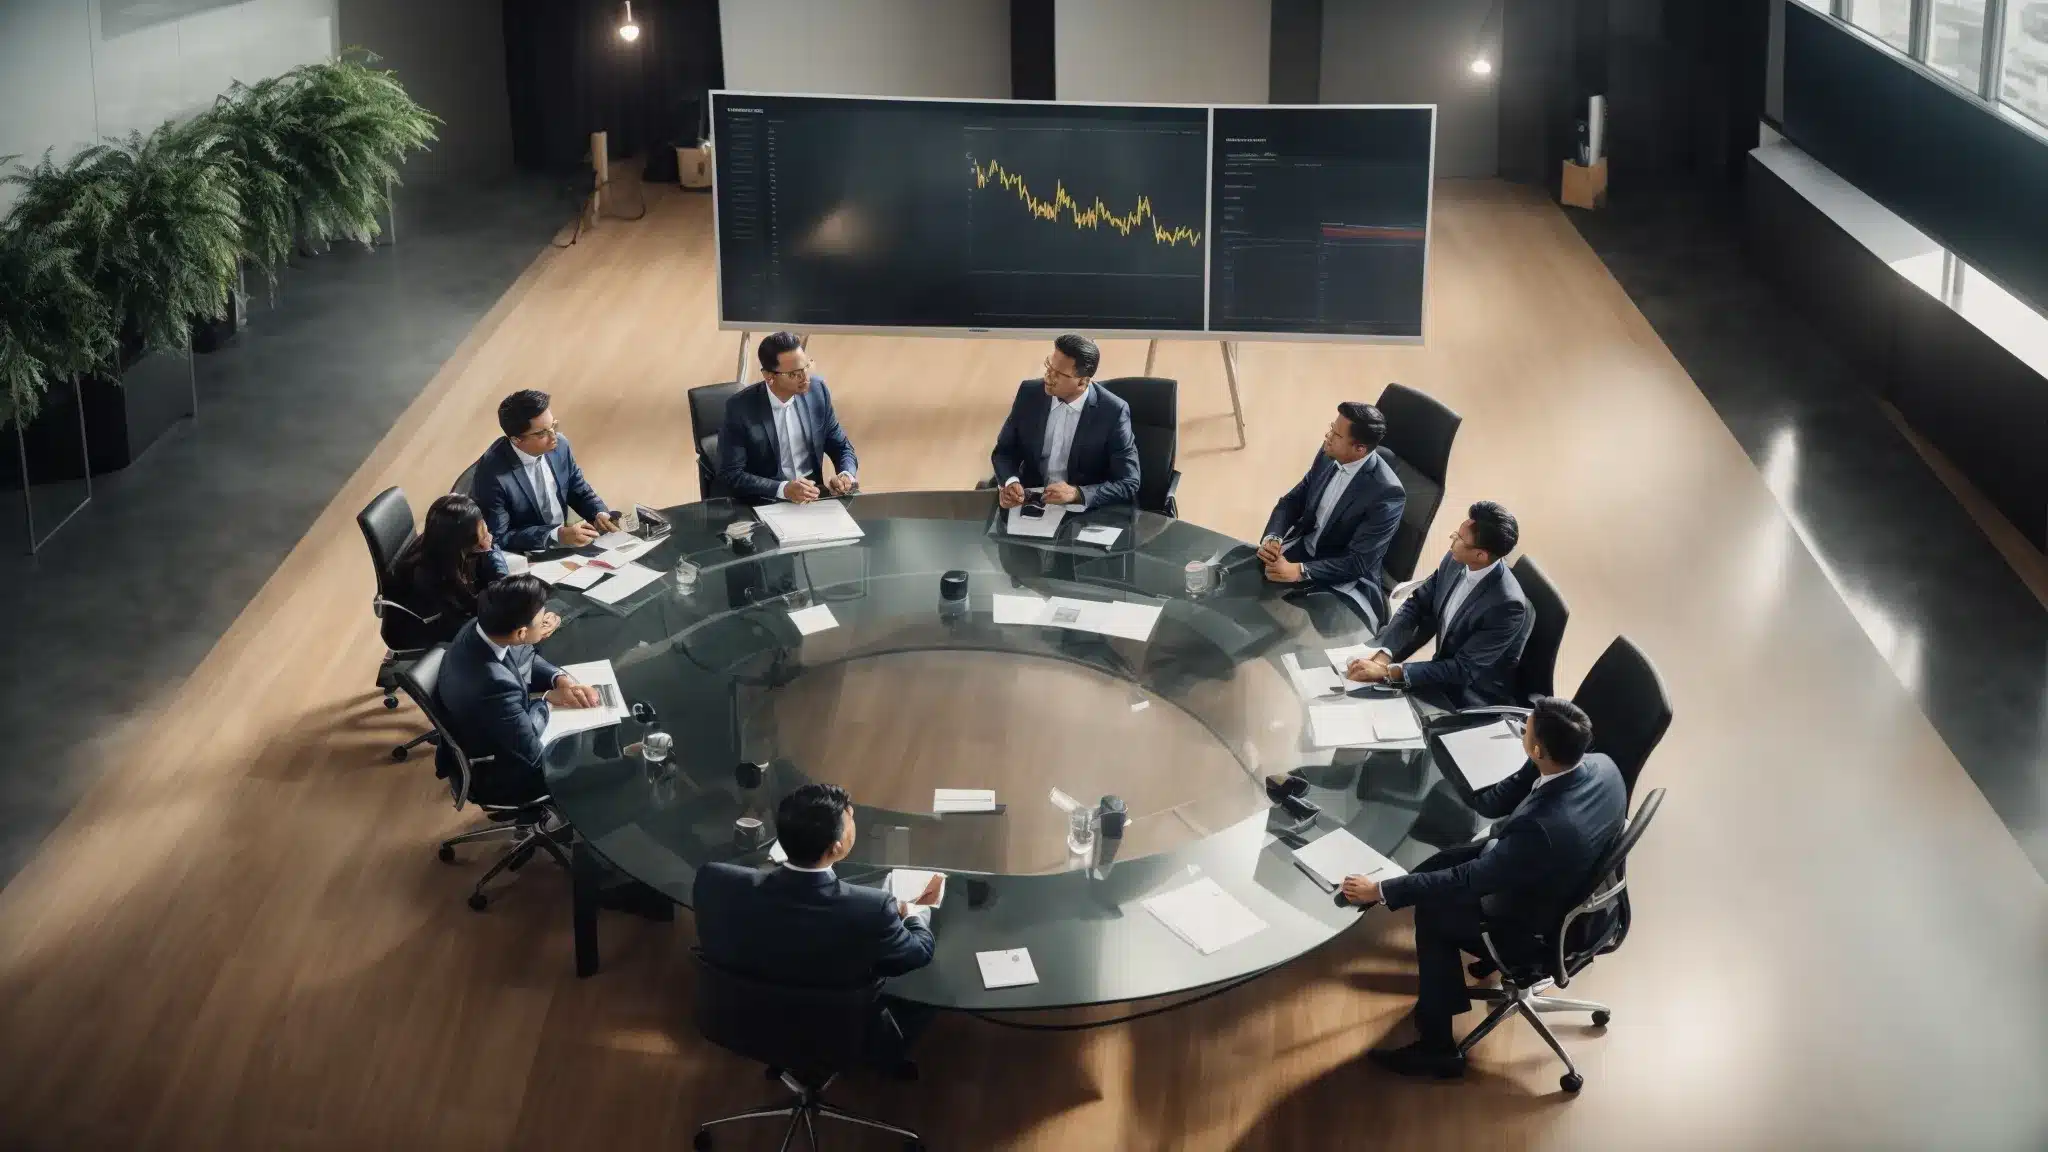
<point>496,692</point>
<point>1333,527</point>
<point>526,480</point>
<point>1555,819</point>
<point>1067,437</point>
<point>800,924</point>
<point>1474,610</point>
<point>779,432</point>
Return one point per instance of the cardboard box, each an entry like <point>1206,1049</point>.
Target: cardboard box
<point>1585,187</point>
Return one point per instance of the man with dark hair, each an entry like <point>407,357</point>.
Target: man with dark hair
<point>1475,611</point>
<point>800,924</point>
<point>490,677</point>
<point>779,432</point>
<point>1333,527</point>
<point>1066,436</point>
<point>526,480</point>
<point>1554,820</point>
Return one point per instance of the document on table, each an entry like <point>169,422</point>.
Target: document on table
<point>1339,854</point>
<point>624,582</point>
<point>1204,915</point>
<point>1100,534</point>
<point>816,618</point>
<point>618,555</point>
<point>568,721</point>
<point>963,799</point>
<point>611,540</point>
<point>1020,609</point>
<point>1010,968</point>
<point>1364,724</point>
<point>584,577</point>
<point>907,885</point>
<point>1106,617</point>
<point>1393,719</point>
<point>812,523</point>
<point>1041,527</point>
<point>1341,658</point>
<point>1486,755</point>
<point>1311,683</point>
<point>555,571</point>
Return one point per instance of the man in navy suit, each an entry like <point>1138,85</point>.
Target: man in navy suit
<point>524,481</point>
<point>779,432</point>
<point>800,924</point>
<point>1332,529</point>
<point>496,691</point>
<point>1555,819</point>
<point>1067,437</point>
<point>1474,610</point>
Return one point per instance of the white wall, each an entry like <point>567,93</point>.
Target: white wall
<point>1418,52</point>
<point>1164,51</point>
<point>958,48</point>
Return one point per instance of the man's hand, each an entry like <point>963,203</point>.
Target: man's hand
<point>1063,494</point>
<point>841,483</point>
<point>799,491</point>
<point>1373,671</point>
<point>607,521</point>
<point>1361,889</point>
<point>1010,495</point>
<point>576,535</point>
<point>1283,572</point>
<point>567,693</point>
<point>1269,550</point>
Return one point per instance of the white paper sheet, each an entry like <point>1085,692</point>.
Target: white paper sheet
<point>1020,609</point>
<point>611,540</point>
<point>552,571</point>
<point>1100,534</point>
<point>1339,854</point>
<point>1341,658</point>
<point>907,884</point>
<point>1393,719</point>
<point>617,557</point>
<point>1010,968</point>
<point>1105,617</point>
<point>963,799</point>
<point>624,583</point>
<point>1204,915</point>
<point>816,618</point>
<point>515,564</point>
<point>1486,755</point>
<point>567,721</point>
<point>1341,725</point>
<point>1040,527</point>
<point>583,577</point>
<point>812,523</point>
<point>1315,683</point>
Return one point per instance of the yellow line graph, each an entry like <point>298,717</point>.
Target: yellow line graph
<point>1094,216</point>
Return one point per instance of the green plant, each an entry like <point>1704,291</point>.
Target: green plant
<point>250,122</point>
<point>52,325</point>
<point>342,129</point>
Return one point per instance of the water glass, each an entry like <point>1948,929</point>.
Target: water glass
<point>1198,577</point>
<point>686,577</point>
<point>654,748</point>
<point>1081,831</point>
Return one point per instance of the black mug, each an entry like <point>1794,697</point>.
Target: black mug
<point>749,775</point>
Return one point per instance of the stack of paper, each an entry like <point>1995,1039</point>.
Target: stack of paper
<point>1339,854</point>
<point>627,580</point>
<point>1040,527</point>
<point>1205,916</point>
<point>963,799</point>
<point>1312,683</point>
<point>813,523</point>
<point>1010,968</point>
<point>816,618</point>
<point>1486,756</point>
<point>567,721</point>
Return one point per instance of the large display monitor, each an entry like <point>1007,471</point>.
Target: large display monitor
<point>861,213</point>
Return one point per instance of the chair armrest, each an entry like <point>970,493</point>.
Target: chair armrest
<point>378,604</point>
<point>1561,974</point>
<point>1173,484</point>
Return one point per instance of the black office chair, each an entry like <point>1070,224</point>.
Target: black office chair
<point>526,823</point>
<point>707,416</point>
<point>1418,444</point>
<point>1155,422</point>
<point>805,1036</point>
<point>1531,963</point>
<point>1624,698</point>
<point>465,484</point>
<point>386,524</point>
<point>1536,674</point>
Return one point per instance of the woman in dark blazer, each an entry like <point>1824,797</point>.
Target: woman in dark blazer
<point>435,580</point>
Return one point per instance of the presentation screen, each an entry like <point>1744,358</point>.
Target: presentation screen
<point>838,213</point>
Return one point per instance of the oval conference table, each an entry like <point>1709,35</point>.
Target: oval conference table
<point>906,692</point>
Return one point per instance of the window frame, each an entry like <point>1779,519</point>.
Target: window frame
<point>1990,74</point>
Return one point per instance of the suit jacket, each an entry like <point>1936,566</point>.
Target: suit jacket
<point>750,452</point>
<point>1354,542</point>
<point>1103,461</point>
<point>803,928</point>
<point>1540,854</point>
<point>511,506</point>
<point>490,708</point>
<point>1476,653</point>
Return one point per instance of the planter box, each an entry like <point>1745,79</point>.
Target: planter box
<point>124,417</point>
<point>51,447</point>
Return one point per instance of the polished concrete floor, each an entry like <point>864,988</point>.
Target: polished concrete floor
<point>127,598</point>
<point>1965,636</point>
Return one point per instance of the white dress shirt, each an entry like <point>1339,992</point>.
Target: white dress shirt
<point>1467,580</point>
<point>1333,493</point>
<point>542,478</point>
<point>1060,424</point>
<point>791,440</point>
<point>827,869</point>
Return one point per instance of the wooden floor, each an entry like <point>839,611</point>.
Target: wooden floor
<point>241,938</point>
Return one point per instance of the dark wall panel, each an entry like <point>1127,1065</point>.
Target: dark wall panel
<point>1295,73</point>
<point>1032,74</point>
<point>571,75</point>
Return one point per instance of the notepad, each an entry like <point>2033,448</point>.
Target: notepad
<point>627,580</point>
<point>816,618</point>
<point>1486,755</point>
<point>1039,527</point>
<point>597,674</point>
<point>1205,916</point>
<point>1338,854</point>
<point>1010,968</point>
<point>963,799</point>
<point>813,523</point>
<point>1341,658</point>
<point>1100,534</point>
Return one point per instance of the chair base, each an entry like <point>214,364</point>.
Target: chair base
<point>1527,1002</point>
<point>529,832</point>
<point>804,1110</point>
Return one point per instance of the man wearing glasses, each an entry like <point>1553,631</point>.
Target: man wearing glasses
<point>526,481</point>
<point>1066,437</point>
<point>779,433</point>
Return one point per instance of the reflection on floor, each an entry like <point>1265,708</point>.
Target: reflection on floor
<point>1962,631</point>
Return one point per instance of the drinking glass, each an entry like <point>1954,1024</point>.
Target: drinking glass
<point>1197,573</point>
<point>1081,831</point>
<point>686,577</point>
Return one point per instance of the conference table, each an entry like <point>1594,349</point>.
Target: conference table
<point>906,691</point>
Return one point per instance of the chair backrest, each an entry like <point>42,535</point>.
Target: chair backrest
<point>1536,675</point>
<point>1598,920</point>
<point>421,680</point>
<point>386,523</point>
<point>1624,697</point>
<point>810,1031</point>
<point>707,416</point>
<point>465,484</point>
<point>1418,444</point>
<point>1155,422</point>
<point>1422,497</point>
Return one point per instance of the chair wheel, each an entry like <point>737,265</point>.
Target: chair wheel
<point>447,853</point>
<point>477,900</point>
<point>702,1140</point>
<point>391,702</point>
<point>400,752</point>
<point>1600,1019</point>
<point>1571,1081</point>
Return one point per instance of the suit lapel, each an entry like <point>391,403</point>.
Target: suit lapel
<point>1036,416</point>
<point>1475,599</point>
<point>519,475</point>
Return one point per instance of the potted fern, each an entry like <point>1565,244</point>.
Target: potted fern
<point>246,125</point>
<point>52,328</point>
<point>343,128</point>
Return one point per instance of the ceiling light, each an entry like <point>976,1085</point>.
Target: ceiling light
<point>1481,66</point>
<point>629,31</point>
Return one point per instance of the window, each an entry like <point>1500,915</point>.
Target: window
<point>2024,86</point>
<point>1889,20</point>
<point>1955,41</point>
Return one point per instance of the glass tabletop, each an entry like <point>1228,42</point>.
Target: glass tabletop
<point>906,691</point>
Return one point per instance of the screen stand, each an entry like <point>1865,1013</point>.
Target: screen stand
<point>739,366</point>
<point>1229,373</point>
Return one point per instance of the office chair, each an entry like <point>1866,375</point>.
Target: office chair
<point>1530,963</point>
<point>386,524</point>
<point>1536,674</point>
<point>1418,444</point>
<point>805,1036</point>
<point>465,484</point>
<point>707,416</point>
<point>1155,422</point>
<point>526,823</point>
<point>1624,697</point>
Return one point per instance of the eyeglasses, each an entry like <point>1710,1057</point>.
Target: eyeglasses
<point>797,373</point>
<point>1052,371</point>
<point>548,433</point>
